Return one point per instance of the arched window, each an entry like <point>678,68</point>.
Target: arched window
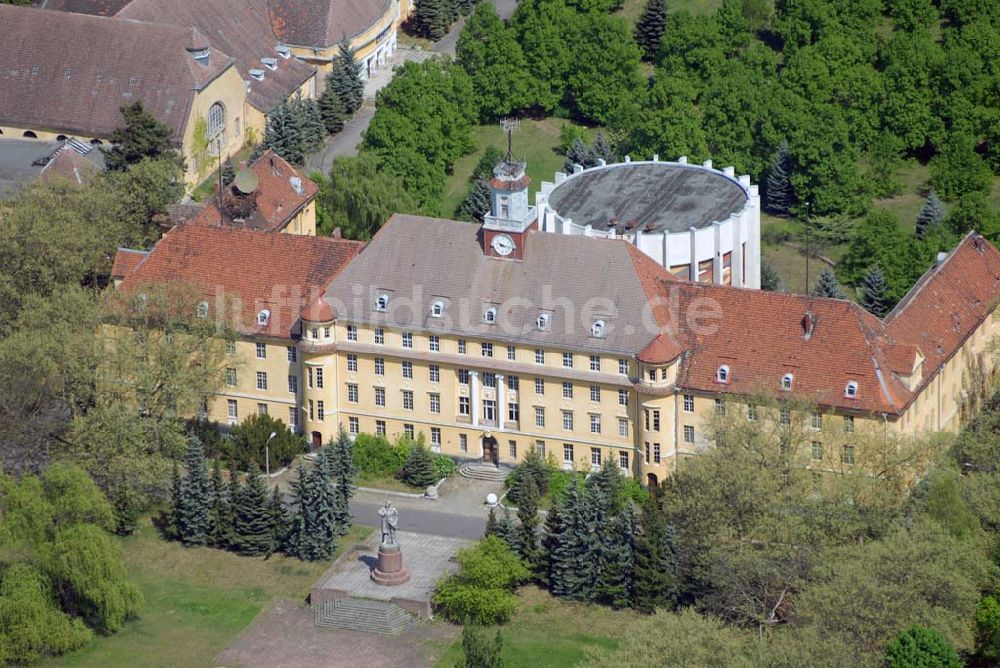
<point>597,329</point>
<point>722,375</point>
<point>851,391</point>
<point>543,321</point>
<point>437,309</point>
<point>61,137</point>
<point>263,317</point>
<point>29,134</point>
<point>490,316</point>
<point>786,381</point>
<point>382,303</point>
<point>215,131</point>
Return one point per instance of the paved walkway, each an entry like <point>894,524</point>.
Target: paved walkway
<point>505,8</point>
<point>284,637</point>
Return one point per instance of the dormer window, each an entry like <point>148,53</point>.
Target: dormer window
<point>201,55</point>
<point>283,50</point>
<point>851,391</point>
<point>786,381</point>
<point>722,375</point>
<point>437,309</point>
<point>382,303</point>
<point>597,329</point>
<point>202,310</point>
<point>263,317</point>
<point>269,63</point>
<point>542,322</point>
<point>490,316</point>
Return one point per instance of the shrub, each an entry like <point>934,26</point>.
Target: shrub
<point>558,483</point>
<point>444,465</point>
<point>482,590</point>
<point>468,604</point>
<point>480,651</point>
<point>633,491</point>
<point>420,469</point>
<point>376,456</point>
<point>251,435</point>
<point>533,466</point>
<point>918,646</point>
<point>988,627</point>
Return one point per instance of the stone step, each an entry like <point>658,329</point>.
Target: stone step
<point>486,472</point>
<point>356,614</point>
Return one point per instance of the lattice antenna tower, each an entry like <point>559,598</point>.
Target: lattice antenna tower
<point>509,125</point>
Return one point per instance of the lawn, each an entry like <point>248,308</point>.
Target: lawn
<point>632,9</point>
<point>390,483</point>
<point>547,632</point>
<point>535,142</point>
<point>197,600</point>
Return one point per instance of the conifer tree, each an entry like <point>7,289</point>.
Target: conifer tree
<point>606,487</point>
<point>228,172</point>
<point>553,561</point>
<point>575,154</point>
<point>873,293</point>
<point>527,530</point>
<point>655,580</point>
<point>569,544</point>
<point>252,534</point>
<point>491,524</point>
<point>279,521</point>
<point>431,18</point>
<point>600,149</point>
<point>778,192</point>
<point>296,542</point>
<point>345,79</point>
<point>344,474</point>
<point>465,7</point>
<point>827,285</point>
<point>770,281</point>
<point>279,132</point>
<point>221,514</point>
<point>194,520</point>
<point>126,505</point>
<point>479,651</point>
<point>419,469</point>
<point>477,204</point>
<point>507,530</point>
<point>931,214</point>
<point>649,29</point>
<point>173,518</point>
<point>322,498</point>
<point>331,107</point>
<point>143,136</point>
<point>615,561</point>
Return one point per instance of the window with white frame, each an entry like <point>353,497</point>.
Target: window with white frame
<point>437,309</point>
<point>486,349</point>
<point>513,383</point>
<point>511,353</point>
<point>623,460</point>
<point>326,332</point>
<point>352,333</point>
<point>568,360</point>
<point>688,434</point>
<point>622,397</point>
<point>319,378</point>
<point>435,402</point>
<point>622,366</point>
<point>463,443</point>
<point>595,458</point>
<point>407,340</point>
<point>539,386</point>
<point>817,420</point>
<point>436,437</point>
<point>567,420</point>
<point>786,381</point>
<point>380,429</point>
<point>293,355</point>
<point>539,416</point>
<point>849,424</point>
<point>597,329</point>
<point>595,423</point>
<point>434,343</point>
<point>622,428</point>
<point>567,388</point>
<point>513,411</point>
<point>462,346</point>
<point>382,302</point>
<point>567,453</point>
<point>542,322</point>
<point>380,396</point>
<point>353,426</point>
<point>379,366</point>
<point>722,375</point>
<point>293,418</point>
<point>539,356</point>
<point>752,412</point>
<point>230,347</point>
<point>464,406</point>
<point>215,127</point>
<point>231,411</point>
<point>293,384</point>
<point>434,373</point>
<point>261,350</point>
<point>352,393</point>
<point>720,406</point>
<point>512,449</point>
<point>352,362</point>
<point>817,451</point>
<point>851,390</point>
<point>785,416</point>
<point>595,393</point>
<point>407,369</point>
<point>489,379</point>
<point>261,409</point>
<point>656,453</point>
<point>261,380</point>
<point>231,377</point>
<point>408,400</point>
<point>263,317</point>
<point>320,411</point>
<point>463,376</point>
<point>202,310</point>
<point>490,316</point>
<point>379,336</point>
<point>848,455</point>
<point>595,362</point>
<point>689,403</point>
<point>408,430</point>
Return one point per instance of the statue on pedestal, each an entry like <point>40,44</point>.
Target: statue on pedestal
<point>390,570</point>
<point>390,521</point>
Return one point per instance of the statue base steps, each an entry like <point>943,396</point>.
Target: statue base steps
<point>390,570</point>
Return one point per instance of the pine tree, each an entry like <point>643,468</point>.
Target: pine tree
<point>827,285</point>
<point>873,293</point>
<point>477,204</point>
<point>126,505</point>
<point>649,29</point>
<point>143,136</point>
<point>585,545</point>
<point>332,108</point>
<point>600,149</point>
<point>655,579</point>
<point>345,79</point>
<point>296,542</point>
<point>419,469</point>
<point>465,7</point>
<point>778,191</point>
<point>344,474</point>
<point>173,518</point>
<point>252,533</point>
<point>221,514</point>
<point>480,652</point>
<point>194,520</point>
<point>614,584</point>
<point>931,214</point>
<point>279,521</point>
<point>322,498</point>
<point>770,281</point>
<point>279,132</point>
<point>606,487</point>
<point>228,172</point>
<point>553,563</point>
<point>491,524</point>
<point>576,154</point>
<point>507,530</point>
<point>527,531</point>
<point>569,544</point>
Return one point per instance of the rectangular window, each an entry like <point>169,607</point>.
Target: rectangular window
<point>461,346</point>
<point>595,458</point>
<point>463,376</point>
<point>312,413</point>
<point>352,393</point>
<point>511,353</point>
<point>352,333</point>
<point>320,411</point>
<point>595,424</point>
<point>540,448</point>
<point>849,424</point>
<point>646,453</point>
<point>623,397</point>
<point>486,349</point>
<point>567,420</point>
<point>353,426</point>
<point>309,376</point>
<point>623,460</point>
<point>688,434</point>
<point>435,402</point>
<point>539,356</point>
<point>539,386</point>
<point>292,354</point>
<point>539,416</point>
<point>261,351</point>
<point>326,332</point>
<point>622,366</point>
<point>656,419</point>
<point>319,378</point>
<point>434,372</point>
<point>230,347</point>
<point>380,427</point>
<point>513,383</point>
<point>489,379</point>
<point>408,400</point>
<point>408,431</point>
<point>407,340</point>
<point>407,370</point>
<point>652,374</point>
<point>567,453</point>
<point>785,416</point>
<point>817,420</point>
<point>489,410</point>
<point>380,396</point>
<point>656,453</point>
<point>595,362</point>
<point>463,443</point>
<point>261,409</point>
<point>567,390</point>
<point>848,456</point>
<point>568,360</point>
<point>379,366</point>
<point>689,403</point>
<point>293,418</point>
<point>261,380</point>
<point>463,406</point>
<point>752,412</point>
<point>435,343</point>
<point>720,406</point>
<point>231,409</point>
<point>512,449</point>
<point>513,411</point>
<point>595,393</point>
<point>352,362</point>
<point>817,450</point>
<point>231,377</point>
<point>379,336</point>
<point>436,437</point>
<point>622,427</point>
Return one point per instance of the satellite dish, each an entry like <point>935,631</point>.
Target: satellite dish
<point>245,181</point>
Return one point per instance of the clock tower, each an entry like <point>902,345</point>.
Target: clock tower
<point>510,218</point>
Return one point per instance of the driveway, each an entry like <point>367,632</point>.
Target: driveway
<point>505,8</point>
<point>345,142</point>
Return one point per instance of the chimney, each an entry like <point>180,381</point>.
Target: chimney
<point>335,234</point>
<point>808,325</point>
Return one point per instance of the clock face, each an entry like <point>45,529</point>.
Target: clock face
<point>503,245</point>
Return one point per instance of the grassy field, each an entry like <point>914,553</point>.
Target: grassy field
<point>632,9</point>
<point>550,633</point>
<point>387,482</point>
<point>535,142</point>
<point>197,600</point>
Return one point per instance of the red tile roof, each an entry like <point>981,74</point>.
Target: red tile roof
<point>277,272</point>
<point>323,23</point>
<point>72,73</point>
<point>318,310</point>
<point>69,165</point>
<point>949,302</point>
<point>126,260</point>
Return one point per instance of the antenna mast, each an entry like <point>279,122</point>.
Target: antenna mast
<point>509,125</point>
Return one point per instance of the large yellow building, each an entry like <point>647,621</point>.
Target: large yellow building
<point>493,339</point>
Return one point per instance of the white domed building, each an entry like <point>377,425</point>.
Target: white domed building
<point>701,223</point>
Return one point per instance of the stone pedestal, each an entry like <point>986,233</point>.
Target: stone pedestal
<point>390,570</point>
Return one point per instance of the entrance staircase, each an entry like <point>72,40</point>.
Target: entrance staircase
<point>481,471</point>
<point>358,614</point>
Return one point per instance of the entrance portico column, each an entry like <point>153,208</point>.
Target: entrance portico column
<point>476,409</point>
<point>501,401</point>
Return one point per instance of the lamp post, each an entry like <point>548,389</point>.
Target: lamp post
<point>267,454</point>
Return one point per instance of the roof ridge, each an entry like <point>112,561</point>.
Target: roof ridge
<point>925,278</point>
